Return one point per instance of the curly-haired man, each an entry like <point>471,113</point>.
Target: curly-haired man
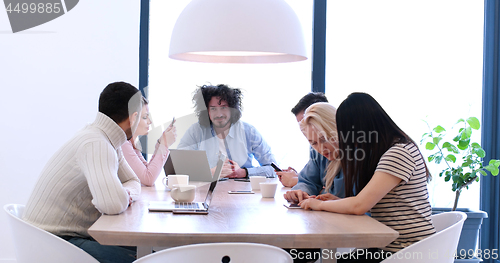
<point>220,130</point>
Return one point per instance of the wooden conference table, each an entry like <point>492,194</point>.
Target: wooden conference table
<point>237,218</point>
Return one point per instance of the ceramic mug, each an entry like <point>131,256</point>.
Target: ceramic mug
<point>183,192</point>
<point>255,180</point>
<point>174,179</point>
<point>268,189</point>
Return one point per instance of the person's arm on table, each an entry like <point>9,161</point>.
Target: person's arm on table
<point>129,179</point>
<point>380,184</point>
<point>309,181</point>
<point>262,153</point>
<point>100,165</point>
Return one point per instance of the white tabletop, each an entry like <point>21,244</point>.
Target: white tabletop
<point>238,218</point>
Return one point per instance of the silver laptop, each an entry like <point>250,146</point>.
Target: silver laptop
<point>191,162</point>
<point>190,207</point>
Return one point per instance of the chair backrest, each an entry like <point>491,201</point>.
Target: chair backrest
<point>33,244</point>
<point>220,252</point>
<point>438,248</point>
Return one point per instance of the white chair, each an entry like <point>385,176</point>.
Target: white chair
<point>438,248</point>
<point>33,244</point>
<point>220,252</point>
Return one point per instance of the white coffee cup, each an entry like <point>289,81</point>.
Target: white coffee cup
<point>255,180</point>
<point>183,192</point>
<point>177,179</point>
<point>268,189</point>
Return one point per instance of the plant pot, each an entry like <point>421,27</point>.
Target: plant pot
<point>469,235</point>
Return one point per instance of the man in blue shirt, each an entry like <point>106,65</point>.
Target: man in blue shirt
<point>311,180</point>
<point>220,130</point>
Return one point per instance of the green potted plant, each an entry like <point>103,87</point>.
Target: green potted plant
<point>463,161</point>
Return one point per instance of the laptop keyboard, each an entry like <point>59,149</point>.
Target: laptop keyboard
<point>187,205</point>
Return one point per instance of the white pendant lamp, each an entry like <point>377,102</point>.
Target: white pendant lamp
<point>238,31</point>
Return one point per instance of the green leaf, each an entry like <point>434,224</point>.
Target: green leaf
<point>483,173</point>
<point>450,147</point>
<point>447,178</point>
<point>438,159</point>
<point>463,145</point>
<point>475,145</point>
<point>480,152</point>
<point>474,123</point>
<point>439,129</point>
<point>451,158</point>
<point>465,134</point>
<point>457,138</point>
<point>436,140</point>
<point>465,176</point>
<point>467,163</point>
<point>494,162</point>
<point>429,146</point>
<point>460,120</point>
<point>492,169</point>
<point>431,158</point>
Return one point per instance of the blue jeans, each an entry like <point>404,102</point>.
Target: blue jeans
<point>104,254</point>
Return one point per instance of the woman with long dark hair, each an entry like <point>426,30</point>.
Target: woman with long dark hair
<point>384,166</point>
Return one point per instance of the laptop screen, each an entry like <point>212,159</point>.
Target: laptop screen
<point>217,173</point>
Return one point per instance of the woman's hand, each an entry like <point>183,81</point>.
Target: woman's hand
<point>327,196</point>
<point>311,204</point>
<point>296,196</point>
<point>169,136</point>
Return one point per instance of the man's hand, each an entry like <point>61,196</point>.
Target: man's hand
<point>238,172</point>
<point>227,169</point>
<point>129,197</point>
<point>288,177</point>
<point>296,196</point>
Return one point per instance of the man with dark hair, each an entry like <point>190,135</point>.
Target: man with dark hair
<point>88,176</point>
<point>310,181</point>
<point>220,130</point>
<point>306,101</point>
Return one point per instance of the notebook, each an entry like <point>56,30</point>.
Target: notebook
<point>181,162</point>
<point>190,207</point>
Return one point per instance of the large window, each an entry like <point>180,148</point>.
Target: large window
<point>421,60</point>
<point>270,90</point>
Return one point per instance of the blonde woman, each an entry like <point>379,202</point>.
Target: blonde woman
<point>321,132</point>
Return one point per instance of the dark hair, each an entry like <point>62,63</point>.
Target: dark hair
<point>119,100</point>
<point>308,100</point>
<point>359,117</point>
<point>204,94</point>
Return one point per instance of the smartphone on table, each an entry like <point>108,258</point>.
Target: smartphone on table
<point>241,192</point>
<point>292,205</point>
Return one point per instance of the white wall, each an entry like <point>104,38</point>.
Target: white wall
<point>51,77</point>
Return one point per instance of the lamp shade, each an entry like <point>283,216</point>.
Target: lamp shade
<point>238,31</point>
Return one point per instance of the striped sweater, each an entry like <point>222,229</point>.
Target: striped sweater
<point>405,208</point>
<point>86,177</point>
